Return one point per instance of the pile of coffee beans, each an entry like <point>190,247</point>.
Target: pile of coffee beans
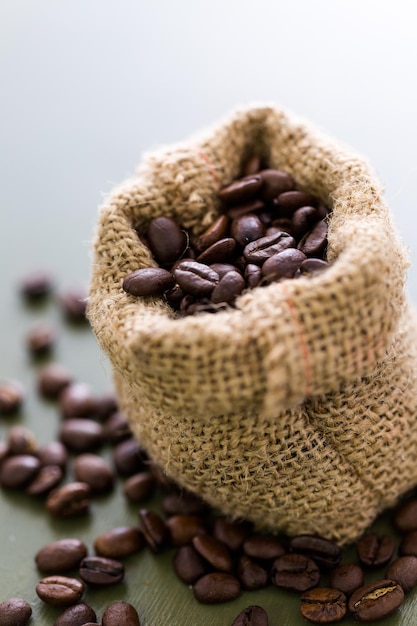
<point>220,559</point>
<point>268,231</point>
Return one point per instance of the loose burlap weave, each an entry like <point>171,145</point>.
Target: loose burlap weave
<point>298,408</point>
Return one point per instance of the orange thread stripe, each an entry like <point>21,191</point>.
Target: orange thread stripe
<point>303,342</point>
<point>211,167</point>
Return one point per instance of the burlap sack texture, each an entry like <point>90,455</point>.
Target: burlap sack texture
<point>298,409</point>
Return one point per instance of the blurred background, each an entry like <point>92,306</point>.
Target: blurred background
<point>88,86</point>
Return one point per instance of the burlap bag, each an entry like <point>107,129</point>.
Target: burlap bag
<point>297,409</point>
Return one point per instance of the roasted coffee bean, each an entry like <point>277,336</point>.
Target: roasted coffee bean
<point>224,268</point>
<point>247,228</point>
<point>174,297</point>
<point>15,612</point>
<point>314,242</point>
<point>241,190</point>
<point>107,406</point>
<point>40,339</point>
<point>375,550</point>
<point>251,616</point>
<point>129,457</point>
<point>264,547</point>
<point>21,440</point>
<point>216,587</point>
<point>290,201</point>
<point>252,206</point>
<point>323,606</point>
<point>253,275</point>
<point>213,233</point>
<point>252,165</point>
<point>117,428</point>
<point>148,281</point>
<point>48,477</point>
<point>221,251</point>
<point>73,303</point>
<point>302,220</point>
<point>214,551</point>
<point>154,529</point>
<point>282,265</point>
<point>61,556</point>
<point>405,518</point>
<point>76,615</point>
<point>312,266</point>
<point>251,575</point>
<point>183,528</point>
<point>70,500</point>
<point>166,240</point>
<point>376,600</point>
<point>231,533</point>
<point>275,182</point>
<point>52,380</point>
<point>60,590</point>
<point>81,434</point>
<point>100,571</point>
<point>95,471</point>
<point>196,278</point>
<point>139,487</point>
<point>53,453</point>
<point>120,614</point>
<point>259,251</point>
<point>36,285</point>
<point>77,400</point>
<point>347,578</point>
<point>188,565</point>
<point>295,572</point>
<point>4,451</point>
<point>16,472</point>
<point>404,571</point>
<point>408,544</point>
<point>229,287</point>
<point>324,552</point>
<point>119,542</point>
<point>11,396</point>
<point>183,502</point>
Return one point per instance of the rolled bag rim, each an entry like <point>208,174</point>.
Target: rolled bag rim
<point>293,366</point>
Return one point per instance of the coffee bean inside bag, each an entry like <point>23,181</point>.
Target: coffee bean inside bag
<point>296,405</point>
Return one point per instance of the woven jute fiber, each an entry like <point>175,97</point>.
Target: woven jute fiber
<point>297,409</point>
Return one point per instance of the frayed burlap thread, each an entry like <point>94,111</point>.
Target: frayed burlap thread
<point>298,408</point>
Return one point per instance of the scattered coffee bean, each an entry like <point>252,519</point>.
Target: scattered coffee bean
<point>149,281</point>
<point>15,612</point>
<point>251,616</point>
<point>295,572</point>
<point>11,396</point>
<point>120,614</point>
<point>70,500</point>
<point>73,303</point>
<point>53,453</point>
<point>216,587</point>
<point>117,428</point>
<point>188,565</point>
<point>36,285</point>
<point>21,440</point>
<point>404,571</point>
<point>48,477</point>
<point>251,574</point>
<point>154,530</point>
<point>77,400</point>
<point>139,487</point>
<point>129,458</point>
<point>324,552</point>
<point>183,528</point>
<point>95,471</point>
<point>376,600</point>
<point>408,544</point>
<point>184,502</point>
<point>40,339</point>
<point>76,615</point>
<point>323,606</point>
<point>405,518</point>
<point>264,547</point>
<point>232,533</point>
<point>214,551</point>
<point>374,550</point>
<point>4,451</point>
<point>52,380</point>
<point>119,542</point>
<point>100,571</point>
<point>16,472</point>
<point>61,556</point>
<point>81,434</point>
<point>60,590</point>
<point>347,578</point>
